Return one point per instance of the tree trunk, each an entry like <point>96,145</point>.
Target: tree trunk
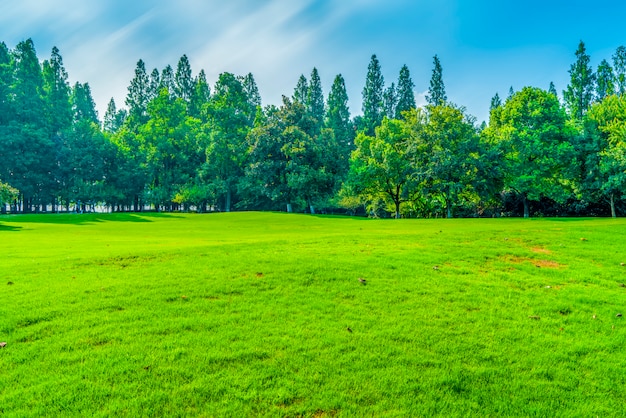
<point>397,202</point>
<point>526,207</point>
<point>229,196</point>
<point>613,214</point>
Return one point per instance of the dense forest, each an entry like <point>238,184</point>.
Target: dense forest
<point>179,144</point>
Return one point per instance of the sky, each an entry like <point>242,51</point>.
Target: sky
<point>485,46</point>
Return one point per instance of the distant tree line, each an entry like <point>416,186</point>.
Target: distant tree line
<point>179,144</point>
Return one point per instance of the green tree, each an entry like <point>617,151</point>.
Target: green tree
<point>315,99</point>
<point>57,93</point>
<point>605,80</point>
<point>534,141</point>
<point>201,96</point>
<point>338,120</point>
<point>83,105</point>
<point>301,91</point>
<point>619,66</point>
<point>552,90</point>
<point>154,85</point>
<point>138,96</point>
<point>252,91</point>
<point>167,80</point>
<point>382,166</point>
<point>183,80</point>
<point>608,125</point>
<point>389,101</point>
<point>405,95</point>
<point>580,92</point>
<point>113,118</point>
<point>437,91</point>
<point>373,104</point>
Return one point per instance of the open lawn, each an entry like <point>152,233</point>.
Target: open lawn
<point>260,314</point>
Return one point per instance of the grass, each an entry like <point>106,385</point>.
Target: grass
<point>259,314</point>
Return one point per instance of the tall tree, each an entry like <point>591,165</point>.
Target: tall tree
<point>495,102</point>
<point>113,118</point>
<point>57,92</point>
<point>338,118</point>
<point>389,101</point>
<point>301,91</point>
<point>619,66</point>
<point>552,90</point>
<point>437,91</point>
<point>183,80</point>
<point>605,80</point>
<point>154,85</point>
<point>251,90</point>
<point>580,92</point>
<point>201,95</point>
<point>404,92</point>
<point>6,79</point>
<point>373,105</point>
<point>83,105</point>
<point>315,98</point>
<point>138,96</point>
<point>167,80</point>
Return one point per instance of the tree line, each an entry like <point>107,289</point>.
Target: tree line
<point>180,144</point>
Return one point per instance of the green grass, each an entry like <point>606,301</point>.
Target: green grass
<point>247,314</point>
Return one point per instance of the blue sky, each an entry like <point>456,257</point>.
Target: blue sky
<point>484,46</point>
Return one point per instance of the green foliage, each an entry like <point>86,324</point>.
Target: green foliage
<point>580,92</point>
<point>605,81</point>
<point>405,95</point>
<point>315,98</point>
<point>619,66</point>
<point>373,101</point>
<point>437,91</point>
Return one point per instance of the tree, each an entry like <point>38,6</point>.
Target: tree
<point>404,93</point>
<point>229,121</point>
<point>452,155</point>
<point>619,66</point>
<point>57,92</point>
<point>154,85</point>
<point>437,91</point>
<point>301,92</point>
<point>495,102</point>
<point>605,81</point>
<point>373,102</point>
<point>138,96</point>
<point>113,119</point>
<point>167,80</point>
<point>315,99</point>
<point>534,141</point>
<point>381,167</point>
<point>83,105</point>
<point>338,119</point>
<point>201,96</point>
<point>7,194</point>
<point>252,91</point>
<point>389,101</point>
<point>552,90</point>
<point>580,92</point>
<point>608,126</point>
<point>183,80</point>
<point>6,79</point>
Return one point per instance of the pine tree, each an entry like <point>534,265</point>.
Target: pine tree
<point>83,105</point>
<point>495,102</point>
<point>389,101</point>
<point>436,92</point>
<point>373,91</point>
<point>183,80</point>
<point>338,116</point>
<point>155,85</point>
<point>113,119</point>
<point>57,92</point>
<point>619,66</point>
<point>579,93</point>
<point>138,95</point>
<point>605,81</point>
<point>315,98</point>
<point>552,90</point>
<point>301,92</point>
<point>251,90</point>
<point>167,80</point>
<point>27,91</point>
<point>405,95</point>
<point>5,84</point>
<point>201,95</point>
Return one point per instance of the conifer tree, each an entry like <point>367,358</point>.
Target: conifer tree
<point>338,116</point>
<point>373,105</point>
<point>552,90</point>
<point>404,92</point>
<point>389,101</point>
<point>113,118</point>
<point>251,90</point>
<point>495,102</point>
<point>201,95</point>
<point>138,96</point>
<point>167,80</point>
<point>619,66</point>
<point>436,92</point>
<point>315,98</point>
<point>605,80</point>
<point>579,93</point>
<point>301,92</point>
<point>57,92</point>
<point>155,84</point>
<point>83,105</point>
<point>183,80</point>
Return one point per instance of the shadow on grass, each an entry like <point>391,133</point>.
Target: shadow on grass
<point>84,219</point>
<point>9,228</point>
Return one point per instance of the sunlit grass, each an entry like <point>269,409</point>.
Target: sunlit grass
<point>250,314</point>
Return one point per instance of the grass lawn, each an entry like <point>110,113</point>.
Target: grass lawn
<point>261,314</point>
